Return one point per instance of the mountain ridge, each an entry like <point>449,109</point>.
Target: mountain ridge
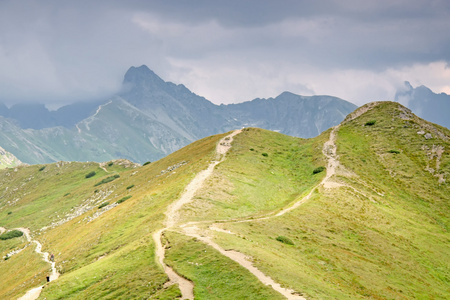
<point>182,117</point>
<point>371,223</point>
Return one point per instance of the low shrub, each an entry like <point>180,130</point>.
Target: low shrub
<point>42,168</point>
<point>107,179</point>
<point>370,123</point>
<point>130,186</point>
<point>90,174</point>
<point>251,149</point>
<point>394,151</point>
<point>66,194</point>
<point>147,163</point>
<point>123,199</point>
<point>103,204</point>
<point>9,212</point>
<point>318,170</point>
<point>264,154</point>
<point>284,240</point>
<point>11,234</point>
<point>110,164</point>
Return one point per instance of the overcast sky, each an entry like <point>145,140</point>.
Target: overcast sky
<point>56,52</point>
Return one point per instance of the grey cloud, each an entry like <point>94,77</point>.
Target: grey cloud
<point>73,50</point>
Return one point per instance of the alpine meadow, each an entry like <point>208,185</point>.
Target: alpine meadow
<point>360,211</point>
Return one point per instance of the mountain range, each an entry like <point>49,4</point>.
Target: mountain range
<point>151,118</point>
<point>426,104</point>
<point>360,211</point>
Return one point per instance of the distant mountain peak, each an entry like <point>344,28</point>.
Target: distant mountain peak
<point>141,76</point>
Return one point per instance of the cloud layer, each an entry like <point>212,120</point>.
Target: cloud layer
<point>58,52</point>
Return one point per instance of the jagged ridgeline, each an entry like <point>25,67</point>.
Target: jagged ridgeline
<point>152,118</point>
<point>359,212</point>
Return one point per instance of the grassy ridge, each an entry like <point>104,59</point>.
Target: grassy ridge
<point>248,183</point>
<point>118,243</point>
<point>387,240</point>
<point>82,245</point>
<point>384,236</point>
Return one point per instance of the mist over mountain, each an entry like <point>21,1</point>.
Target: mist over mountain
<point>37,116</point>
<point>151,118</point>
<point>426,104</point>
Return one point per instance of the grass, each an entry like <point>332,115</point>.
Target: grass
<point>110,257</point>
<point>247,183</point>
<point>385,237</point>
<point>390,241</point>
<point>213,274</point>
<point>21,272</point>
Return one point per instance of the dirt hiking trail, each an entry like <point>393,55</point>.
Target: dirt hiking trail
<point>172,219</point>
<point>35,292</point>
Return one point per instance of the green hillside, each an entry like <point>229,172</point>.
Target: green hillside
<point>372,223</point>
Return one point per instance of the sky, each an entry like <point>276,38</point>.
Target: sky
<point>58,52</point>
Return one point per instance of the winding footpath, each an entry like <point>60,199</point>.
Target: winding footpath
<point>328,182</point>
<point>189,229</point>
<point>172,216</point>
<point>35,292</point>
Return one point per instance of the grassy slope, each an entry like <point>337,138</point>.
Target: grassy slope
<point>350,245</point>
<point>387,241</point>
<point>214,276</point>
<point>112,245</point>
<point>249,183</point>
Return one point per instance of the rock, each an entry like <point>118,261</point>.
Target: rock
<point>428,136</point>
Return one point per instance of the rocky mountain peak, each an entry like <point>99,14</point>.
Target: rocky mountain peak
<point>142,77</point>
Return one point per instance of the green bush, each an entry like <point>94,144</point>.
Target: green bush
<point>42,168</point>
<point>370,123</point>
<point>251,149</point>
<point>9,212</point>
<point>11,234</point>
<point>110,164</point>
<point>123,199</point>
<point>394,151</point>
<point>318,170</point>
<point>103,204</point>
<point>130,186</point>
<point>284,240</point>
<point>66,194</point>
<point>147,163</point>
<point>90,174</point>
<point>107,179</point>
<point>264,154</point>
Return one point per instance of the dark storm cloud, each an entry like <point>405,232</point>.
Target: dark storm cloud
<point>62,51</point>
